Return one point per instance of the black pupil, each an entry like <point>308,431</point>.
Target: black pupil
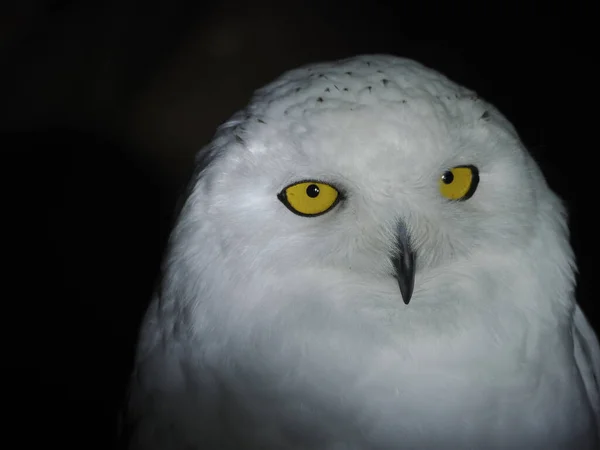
<point>448,177</point>
<point>312,191</point>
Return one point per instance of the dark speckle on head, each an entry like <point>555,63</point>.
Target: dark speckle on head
<point>403,101</point>
<point>368,64</point>
<point>380,71</point>
<point>485,116</point>
<point>320,99</point>
<point>385,82</point>
<point>261,121</point>
<point>336,87</point>
<point>349,73</point>
<point>327,90</point>
<point>346,89</point>
<point>369,88</point>
<point>298,89</point>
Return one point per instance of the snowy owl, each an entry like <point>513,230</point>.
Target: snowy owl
<point>367,258</point>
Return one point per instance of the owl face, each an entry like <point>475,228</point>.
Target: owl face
<point>388,186</point>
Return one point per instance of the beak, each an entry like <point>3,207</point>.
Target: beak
<point>404,264</point>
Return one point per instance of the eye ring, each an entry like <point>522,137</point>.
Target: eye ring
<point>310,198</point>
<point>459,183</point>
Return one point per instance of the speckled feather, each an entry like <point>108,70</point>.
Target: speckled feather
<point>275,331</point>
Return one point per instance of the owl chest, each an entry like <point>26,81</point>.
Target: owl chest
<point>538,402</point>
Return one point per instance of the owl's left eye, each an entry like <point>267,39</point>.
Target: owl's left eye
<point>459,183</point>
<point>309,198</point>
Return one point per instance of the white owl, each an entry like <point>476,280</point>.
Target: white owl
<point>368,258</point>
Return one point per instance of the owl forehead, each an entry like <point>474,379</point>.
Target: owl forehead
<point>386,140</point>
<point>379,115</point>
<point>371,138</point>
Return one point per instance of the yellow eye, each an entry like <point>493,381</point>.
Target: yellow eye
<point>459,183</point>
<point>309,198</point>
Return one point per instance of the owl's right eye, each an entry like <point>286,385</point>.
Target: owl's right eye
<point>459,183</point>
<point>309,198</point>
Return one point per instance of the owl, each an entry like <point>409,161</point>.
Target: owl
<point>367,258</point>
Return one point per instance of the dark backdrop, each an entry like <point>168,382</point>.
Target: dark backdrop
<point>103,104</point>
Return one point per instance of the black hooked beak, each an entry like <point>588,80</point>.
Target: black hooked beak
<point>404,264</point>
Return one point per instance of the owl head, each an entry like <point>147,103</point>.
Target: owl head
<point>378,177</point>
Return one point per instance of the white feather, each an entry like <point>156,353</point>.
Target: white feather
<point>274,331</point>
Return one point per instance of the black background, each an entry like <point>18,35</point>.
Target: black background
<point>103,105</point>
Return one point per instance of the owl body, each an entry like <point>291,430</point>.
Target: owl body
<point>368,258</point>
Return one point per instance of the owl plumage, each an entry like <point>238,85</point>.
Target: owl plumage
<point>368,258</point>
